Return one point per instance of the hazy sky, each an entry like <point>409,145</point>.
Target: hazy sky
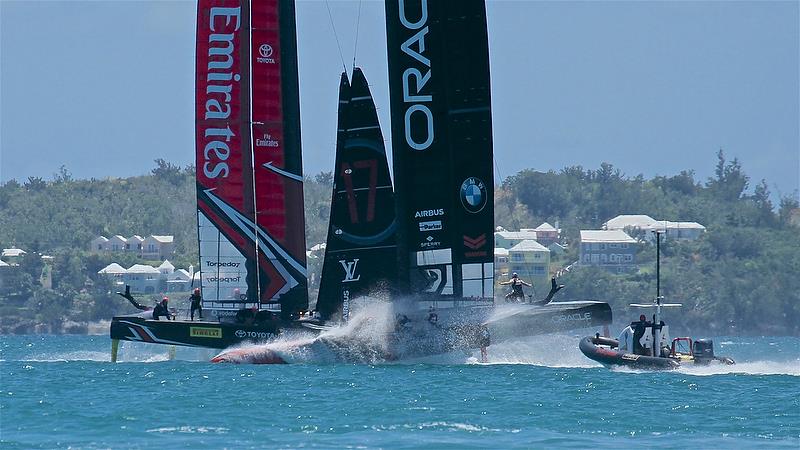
<point>105,87</point>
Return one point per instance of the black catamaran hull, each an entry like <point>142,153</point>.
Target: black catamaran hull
<point>531,320</point>
<point>191,334</point>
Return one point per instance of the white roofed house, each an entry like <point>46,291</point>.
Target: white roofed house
<point>143,278</point>
<point>179,281</point>
<point>630,221</point>
<point>12,255</point>
<point>614,250</point>
<point>158,247</point>
<point>646,225</point>
<point>679,230</point>
<point>166,268</point>
<point>115,272</point>
<point>116,243</point>
<point>508,239</point>
<point>134,244</point>
<point>98,244</point>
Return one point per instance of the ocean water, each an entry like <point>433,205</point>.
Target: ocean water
<point>62,392</point>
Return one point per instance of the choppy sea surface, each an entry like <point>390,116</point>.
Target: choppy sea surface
<point>62,392</point>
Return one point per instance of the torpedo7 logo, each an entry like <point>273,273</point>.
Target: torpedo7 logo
<point>349,270</point>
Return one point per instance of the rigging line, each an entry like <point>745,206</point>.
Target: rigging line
<point>355,46</point>
<point>333,27</point>
<point>497,171</point>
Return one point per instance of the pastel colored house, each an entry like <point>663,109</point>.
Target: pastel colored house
<point>500,263</point>
<point>614,250</point>
<point>531,261</point>
<point>546,234</point>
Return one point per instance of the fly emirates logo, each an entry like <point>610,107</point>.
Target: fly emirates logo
<point>223,24</point>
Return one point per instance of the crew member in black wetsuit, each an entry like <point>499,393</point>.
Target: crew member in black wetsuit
<point>638,332</point>
<point>161,309</point>
<point>196,300</point>
<point>516,293</point>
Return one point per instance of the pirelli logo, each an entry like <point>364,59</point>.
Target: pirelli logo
<point>205,332</point>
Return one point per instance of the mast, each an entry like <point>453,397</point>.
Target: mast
<point>442,149</point>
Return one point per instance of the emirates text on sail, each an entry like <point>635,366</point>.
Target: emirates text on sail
<point>223,23</point>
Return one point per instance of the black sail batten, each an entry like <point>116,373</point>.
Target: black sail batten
<point>360,252</point>
<point>442,148</point>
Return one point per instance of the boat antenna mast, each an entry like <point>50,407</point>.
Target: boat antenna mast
<point>658,301</point>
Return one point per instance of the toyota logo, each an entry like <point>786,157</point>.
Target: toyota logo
<point>265,50</point>
<point>240,333</point>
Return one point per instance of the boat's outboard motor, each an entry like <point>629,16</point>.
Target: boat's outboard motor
<point>703,351</point>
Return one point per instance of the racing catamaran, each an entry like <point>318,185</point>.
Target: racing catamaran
<point>432,255</point>
<point>424,246</point>
<point>249,180</point>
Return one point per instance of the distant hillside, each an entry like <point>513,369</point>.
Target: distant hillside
<point>740,278</point>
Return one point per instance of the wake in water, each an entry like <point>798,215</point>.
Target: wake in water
<point>744,368</point>
<point>362,339</point>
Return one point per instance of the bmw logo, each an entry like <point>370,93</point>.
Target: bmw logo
<point>473,195</point>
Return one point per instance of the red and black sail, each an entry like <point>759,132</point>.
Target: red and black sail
<point>249,170</point>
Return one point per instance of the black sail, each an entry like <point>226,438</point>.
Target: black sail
<point>360,253</point>
<point>442,148</point>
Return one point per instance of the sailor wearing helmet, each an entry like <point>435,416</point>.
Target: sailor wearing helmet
<point>161,309</point>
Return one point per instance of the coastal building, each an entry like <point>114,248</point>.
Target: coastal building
<point>614,250</point>
<point>11,256</point>
<point>166,268</point>
<point>507,239</point>
<point>154,247</point>
<point>531,261</point>
<point>98,244</point>
<point>179,281</point>
<point>546,234</point>
<point>158,247</point>
<point>115,272</point>
<point>116,243</point>
<point>143,278</point>
<point>644,225</point>
<point>134,244</point>
<point>500,264</point>
<point>148,279</point>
